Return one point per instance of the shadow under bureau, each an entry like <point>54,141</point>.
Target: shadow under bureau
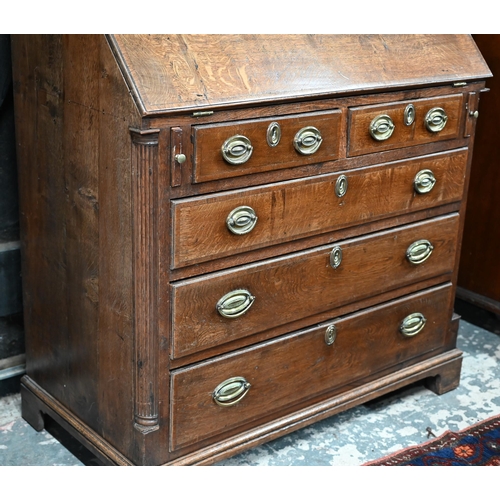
<point>226,238</point>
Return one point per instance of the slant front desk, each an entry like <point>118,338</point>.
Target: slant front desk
<point>226,238</point>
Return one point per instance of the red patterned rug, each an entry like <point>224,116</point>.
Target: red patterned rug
<point>476,445</point>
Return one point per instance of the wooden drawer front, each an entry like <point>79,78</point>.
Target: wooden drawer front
<point>292,369</point>
<point>297,209</point>
<point>303,284</point>
<point>361,142</point>
<point>209,163</point>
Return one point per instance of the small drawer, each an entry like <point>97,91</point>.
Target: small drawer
<point>221,307</point>
<point>402,124</point>
<point>227,392</point>
<point>226,150</point>
<point>220,225</point>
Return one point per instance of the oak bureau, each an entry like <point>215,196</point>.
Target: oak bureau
<point>226,238</point>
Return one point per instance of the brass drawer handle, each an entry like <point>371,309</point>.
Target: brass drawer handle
<point>412,324</point>
<point>424,181</point>
<point>382,127</point>
<point>307,140</point>
<point>237,149</point>
<point>231,391</point>
<point>341,186</point>
<point>336,257</point>
<point>330,335</point>
<point>235,303</point>
<point>241,220</point>
<point>419,251</point>
<point>435,120</point>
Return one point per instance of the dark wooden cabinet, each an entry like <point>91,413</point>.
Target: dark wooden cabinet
<point>479,275</point>
<point>226,238</point>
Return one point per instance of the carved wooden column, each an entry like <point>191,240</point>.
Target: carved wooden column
<point>145,261</point>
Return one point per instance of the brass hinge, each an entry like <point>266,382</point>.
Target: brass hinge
<point>198,114</point>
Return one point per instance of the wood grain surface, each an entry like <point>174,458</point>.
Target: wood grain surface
<point>304,284</point>
<point>171,73</point>
<point>361,142</point>
<point>298,209</point>
<point>126,251</point>
<point>77,250</point>
<point>208,140</point>
<point>301,365</point>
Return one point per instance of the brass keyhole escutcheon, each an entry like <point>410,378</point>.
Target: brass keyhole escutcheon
<point>409,115</point>
<point>341,186</point>
<point>273,134</point>
<point>330,335</point>
<point>336,257</point>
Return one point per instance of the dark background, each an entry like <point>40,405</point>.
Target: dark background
<point>11,331</point>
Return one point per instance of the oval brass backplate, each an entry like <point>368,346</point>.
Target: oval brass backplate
<point>412,324</point>
<point>237,149</point>
<point>307,140</point>
<point>231,391</point>
<point>241,220</point>
<point>419,251</point>
<point>424,181</point>
<point>381,127</point>
<point>235,303</point>
<point>435,120</point>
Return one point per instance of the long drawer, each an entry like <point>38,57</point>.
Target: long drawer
<point>222,307</point>
<point>220,225</point>
<point>406,123</point>
<point>224,150</point>
<point>225,393</point>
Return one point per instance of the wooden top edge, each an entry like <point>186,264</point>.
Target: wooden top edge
<point>185,73</point>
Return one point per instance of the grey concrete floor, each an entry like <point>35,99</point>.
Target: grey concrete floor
<point>351,438</point>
